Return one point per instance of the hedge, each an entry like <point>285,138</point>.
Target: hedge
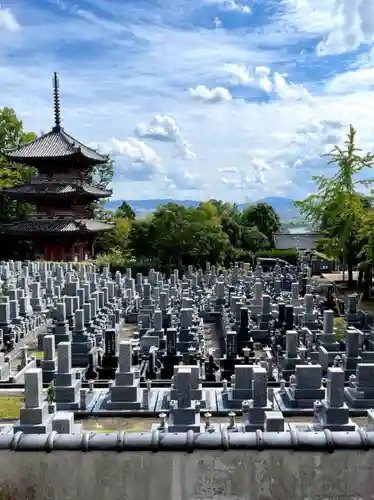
<point>289,255</point>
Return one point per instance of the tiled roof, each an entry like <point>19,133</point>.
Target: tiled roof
<point>303,241</point>
<point>52,188</point>
<point>34,226</point>
<point>168,442</point>
<point>54,144</point>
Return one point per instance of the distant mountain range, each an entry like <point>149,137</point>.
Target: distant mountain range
<point>283,206</point>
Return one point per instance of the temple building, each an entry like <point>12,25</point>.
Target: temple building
<point>62,225</point>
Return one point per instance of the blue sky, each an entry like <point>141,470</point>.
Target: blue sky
<point>195,99</point>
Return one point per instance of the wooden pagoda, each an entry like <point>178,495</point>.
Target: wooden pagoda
<point>62,225</point>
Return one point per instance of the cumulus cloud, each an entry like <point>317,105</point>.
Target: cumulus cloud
<point>134,159</point>
<point>218,94</point>
<point>8,21</point>
<point>355,26</point>
<point>161,128</point>
<point>262,77</point>
<point>343,25</point>
<point>182,179</point>
<point>164,128</point>
<point>168,144</point>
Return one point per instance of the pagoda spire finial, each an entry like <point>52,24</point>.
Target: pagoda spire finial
<point>56,103</point>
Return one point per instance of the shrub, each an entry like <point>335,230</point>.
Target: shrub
<point>289,255</point>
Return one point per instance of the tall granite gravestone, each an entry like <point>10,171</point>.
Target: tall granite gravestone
<point>34,415</point>
<point>255,409</point>
<point>292,358</point>
<point>232,398</point>
<point>125,393</point>
<point>332,412</point>
<point>48,364</point>
<point>67,383</point>
<point>184,412</point>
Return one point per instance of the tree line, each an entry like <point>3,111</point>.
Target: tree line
<point>173,235</point>
<point>216,231</point>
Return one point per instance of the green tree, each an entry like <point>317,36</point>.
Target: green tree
<point>117,239</point>
<point>230,217</point>
<point>253,240</point>
<point>264,218</point>
<point>101,176</point>
<point>12,135</point>
<point>142,239</point>
<point>124,210</point>
<point>337,208</point>
<point>182,235</point>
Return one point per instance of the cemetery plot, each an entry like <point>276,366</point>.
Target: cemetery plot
<point>240,349</point>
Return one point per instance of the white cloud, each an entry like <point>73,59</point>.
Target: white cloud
<point>132,84</point>
<point>182,179</point>
<point>164,128</point>
<point>342,24</point>
<point>8,21</point>
<point>218,94</point>
<point>161,128</point>
<point>288,90</point>
<point>262,77</point>
<point>352,81</point>
<point>234,6</point>
<point>135,160</point>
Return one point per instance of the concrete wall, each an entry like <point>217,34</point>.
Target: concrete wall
<point>208,475</point>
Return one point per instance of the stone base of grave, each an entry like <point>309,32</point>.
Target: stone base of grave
<point>184,419</point>
<point>123,405</point>
<point>255,418</point>
<point>63,423</point>
<point>355,399</point>
<point>298,398</point>
<point>198,395</point>
<point>124,397</point>
<point>34,420</point>
<point>232,399</point>
<point>103,407</point>
<point>260,335</point>
<point>43,428</point>
<point>67,391</point>
<point>335,419</point>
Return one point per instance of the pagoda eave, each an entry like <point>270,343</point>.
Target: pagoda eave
<point>54,227</point>
<point>51,190</point>
<point>46,161</point>
<point>33,198</point>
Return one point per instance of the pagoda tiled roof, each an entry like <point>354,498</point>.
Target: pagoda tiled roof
<point>55,144</point>
<point>45,226</point>
<point>56,189</point>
